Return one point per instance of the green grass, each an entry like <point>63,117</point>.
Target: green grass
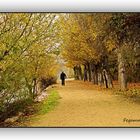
<point>49,103</point>
<point>41,108</point>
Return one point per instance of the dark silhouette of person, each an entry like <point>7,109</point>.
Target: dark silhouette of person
<point>63,77</point>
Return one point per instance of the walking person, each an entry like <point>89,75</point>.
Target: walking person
<point>63,77</point>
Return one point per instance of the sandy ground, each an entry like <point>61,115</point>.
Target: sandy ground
<point>82,105</point>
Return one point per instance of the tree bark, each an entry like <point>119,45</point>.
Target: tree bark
<point>100,79</point>
<point>95,75</point>
<point>80,73</point>
<point>105,78</point>
<point>121,71</point>
<point>85,73</point>
<point>76,73</point>
<point>89,72</point>
<point>34,87</point>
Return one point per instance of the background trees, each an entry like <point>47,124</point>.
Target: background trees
<point>123,30</point>
<point>104,44</point>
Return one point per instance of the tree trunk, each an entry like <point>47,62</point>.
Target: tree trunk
<point>110,79</point>
<point>92,72</point>
<point>89,72</point>
<point>105,78</point>
<point>100,79</point>
<point>121,71</point>
<point>29,86</point>
<point>75,73</point>
<point>85,73</point>
<point>34,87</point>
<point>80,73</point>
<point>95,75</point>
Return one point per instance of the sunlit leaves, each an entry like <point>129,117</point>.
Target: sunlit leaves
<point>25,39</point>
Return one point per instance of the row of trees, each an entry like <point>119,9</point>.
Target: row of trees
<point>27,55</point>
<point>102,47</point>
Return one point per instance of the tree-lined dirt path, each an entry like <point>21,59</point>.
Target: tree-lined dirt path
<point>81,104</point>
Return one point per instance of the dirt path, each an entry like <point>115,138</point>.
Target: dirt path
<point>81,104</point>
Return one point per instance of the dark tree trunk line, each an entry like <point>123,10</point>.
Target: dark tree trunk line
<point>95,74</point>
<point>107,79</point>
<point>89,72</point>
<point>85,73</point>
<point>78,73</point>
<point>98,73</point>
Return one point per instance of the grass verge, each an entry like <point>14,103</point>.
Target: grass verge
<point>49,103</point>
<point>40,108</point>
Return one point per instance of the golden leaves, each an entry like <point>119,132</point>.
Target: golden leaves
<point>78,35</point>
<point>110,45</point>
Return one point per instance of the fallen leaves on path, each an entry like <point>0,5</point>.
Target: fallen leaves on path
<point>82,104</point>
